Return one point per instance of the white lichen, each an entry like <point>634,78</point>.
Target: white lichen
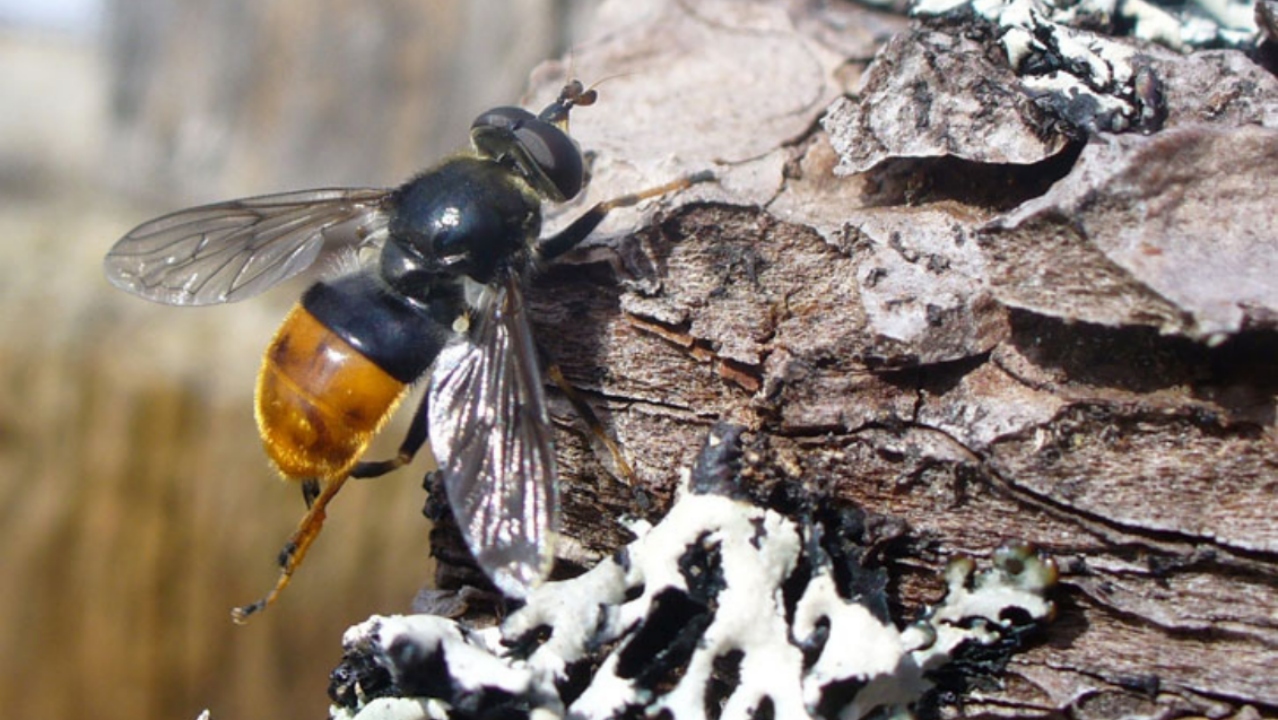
<point>1182,26</point>
<point>1092,81</point>
<point>695,612</point>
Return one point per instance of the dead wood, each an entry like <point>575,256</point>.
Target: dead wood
<point>939,337</point>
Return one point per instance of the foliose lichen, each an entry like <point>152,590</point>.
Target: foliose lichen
<point>1076,61</point>
<point>724,609</point>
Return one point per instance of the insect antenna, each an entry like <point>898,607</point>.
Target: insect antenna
<point>574,94</point>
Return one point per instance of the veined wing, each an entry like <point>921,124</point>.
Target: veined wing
<point>492,438</point>
<point>233,250</point>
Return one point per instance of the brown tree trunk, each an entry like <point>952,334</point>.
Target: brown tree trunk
<point>943,340</point>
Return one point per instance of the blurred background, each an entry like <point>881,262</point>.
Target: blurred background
<point>137,506</point>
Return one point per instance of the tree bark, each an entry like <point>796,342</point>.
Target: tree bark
<point>1073,347</point>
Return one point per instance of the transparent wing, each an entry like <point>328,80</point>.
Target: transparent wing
<point>233,250</point>
<point>492,438</point>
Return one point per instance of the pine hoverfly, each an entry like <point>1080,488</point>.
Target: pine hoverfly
<point>442,300</point>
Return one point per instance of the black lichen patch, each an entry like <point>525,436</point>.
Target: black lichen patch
<point>794,587</point>
<point>814,644</point>
<point>576,678</point>
<point>702,569</point>
<point>490,704</point>
<point>766,710</point>
<point>718,464</point>
<point>723,681</point>
<point>526,644</point>
<point>659,652</point>
<point>633,593</point>
<point>357,679</point>
<point>973,666</point>
<point>425,672</point>
<point>838,695</point>
<point>837,538</point>
<point>422,671</point>
<point>578,674</point>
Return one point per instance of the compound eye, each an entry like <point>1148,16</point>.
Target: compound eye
<point>555,154</point>
<point>543,152</point>
<point>502,118</point>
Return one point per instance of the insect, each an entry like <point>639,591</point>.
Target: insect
<point>441,300</point>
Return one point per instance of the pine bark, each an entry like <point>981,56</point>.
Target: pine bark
<point>1072,350</point>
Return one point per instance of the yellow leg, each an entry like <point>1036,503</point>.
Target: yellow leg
<point>626,473</point>
<point>295,550</point>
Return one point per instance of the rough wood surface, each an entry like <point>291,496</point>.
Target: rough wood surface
<point>946,343</point>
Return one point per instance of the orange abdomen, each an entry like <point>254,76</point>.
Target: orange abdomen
<point>319,401</point>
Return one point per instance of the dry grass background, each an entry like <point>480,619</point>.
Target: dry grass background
<point>136,506</point>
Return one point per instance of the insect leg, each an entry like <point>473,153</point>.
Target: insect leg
<point>317,499</point>
<point>568,238</point>
<point>587,414</point>
<point>295,550</point>
<point>310,491</point>
<point>418,432</point>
